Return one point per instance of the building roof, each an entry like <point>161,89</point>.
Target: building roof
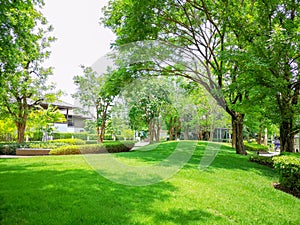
<point>59,104</point>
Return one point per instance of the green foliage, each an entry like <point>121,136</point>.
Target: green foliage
<point>41,120</point>
<point>24,46</point>
<point>81,135</point>
<point>263,160</point>
<point>46,145</point>
<point>69,141</point>
<point>231,191</point>
<point>97,91</point>
<point>7,130</point>
<point>111,147</point>
<point>255,147</point>
<point>289,172</point>
<point>10,148</point>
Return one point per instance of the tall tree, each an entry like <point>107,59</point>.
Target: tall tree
<point>96,93</point>
<point>147,101</point>
<point>198,28</point>
<point>24,46</point>
<point>269,34</point>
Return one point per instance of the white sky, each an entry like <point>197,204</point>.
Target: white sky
<point>81,39</point>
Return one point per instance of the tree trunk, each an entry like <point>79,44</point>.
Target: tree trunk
<point>21,131</point>
<point>237,133</point>
<point>234,132</point>
<point>157,132</point>
<point>186,133</point>
<point>177,128</point>
<point>171,130</point>
<point>150,131</point>
<point>102,131</point>
<point>212,129</point>
<point>286,137</point>
<point>266,137</point>
<point>97,126</point>
<point>176,134</point>
<point>259,136</point>
<point>200,135</point>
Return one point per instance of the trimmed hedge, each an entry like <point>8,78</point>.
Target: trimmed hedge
<point>263,160</point>
<point>81,135</point>
<point>255,147</point>
<point>70,141</point>
<point>111,147</point>
<point>10,148</point>
<point>289,172</point>
<point>46,145</point>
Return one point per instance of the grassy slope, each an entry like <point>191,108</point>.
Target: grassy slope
<point>65,190</point>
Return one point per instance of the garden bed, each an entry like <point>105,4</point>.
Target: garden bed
<point>31,151</point>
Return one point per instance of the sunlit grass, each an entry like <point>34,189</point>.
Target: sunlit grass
<point>66,190</point>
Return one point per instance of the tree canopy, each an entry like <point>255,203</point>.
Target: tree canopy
<point>238,54</point>
<point>24,46</point>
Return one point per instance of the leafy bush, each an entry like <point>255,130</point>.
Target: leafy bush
<point>69,141</point>
<point>111,147</point>
<point>10,148</point>
<point>255,147</point>
<point>289,172</point>
<point>91,142</point>
<point>263,160</point>
<point>81,135</point>
<point>46,145</point>
<point>106,137</point>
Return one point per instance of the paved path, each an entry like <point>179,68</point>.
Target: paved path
<point>270,154</point>
<point>12,156</point>
<point>139,144</point>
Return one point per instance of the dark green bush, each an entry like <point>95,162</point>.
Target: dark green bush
<point>70,141</point>
<point>91,142</point>
<point>255,147</point>
<point>111,147</point>
<point>37,136</point>
<point>10,148</point>
<point>82,135</point>
<point>263,160</point>
<point>289,172</point>
<point>107,137</point>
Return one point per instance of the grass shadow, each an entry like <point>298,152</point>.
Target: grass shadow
<point>44,193</point>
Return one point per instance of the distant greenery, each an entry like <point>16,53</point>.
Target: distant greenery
<point>65,189</point>
<point>255,147</point>
<point>70,141</point>
<point>111,147</point>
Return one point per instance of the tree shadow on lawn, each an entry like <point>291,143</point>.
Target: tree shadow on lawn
<point>179,216</point>
<point>42,193</point>
<point>224,157</point>
<point>208,155</point>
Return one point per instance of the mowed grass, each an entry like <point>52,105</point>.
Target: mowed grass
<point>66,190</point>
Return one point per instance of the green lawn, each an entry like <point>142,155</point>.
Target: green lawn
<point>66,190</point>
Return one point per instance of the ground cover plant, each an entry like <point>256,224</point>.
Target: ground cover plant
<point>66,190</point>
<point>109,146</point>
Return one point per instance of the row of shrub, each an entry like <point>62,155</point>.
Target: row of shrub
<point>289,172</point>
<point>10,148</point>
<point>288,167</point>
<point>82,136</point>
<point>85,136</point>
<point>109,147</point>
<point>263,160</point>
<point>255,147</point>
